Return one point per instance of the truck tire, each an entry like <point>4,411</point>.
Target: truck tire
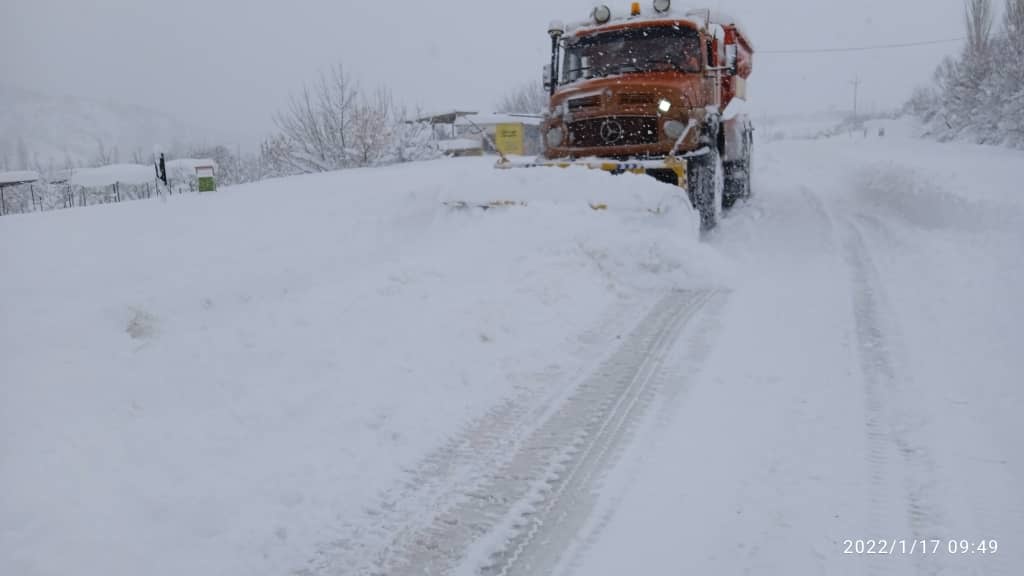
<point>738,177</point>
<point>737,183</point>
<point>705,183</point>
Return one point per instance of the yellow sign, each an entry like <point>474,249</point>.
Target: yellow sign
<point>509,138</point>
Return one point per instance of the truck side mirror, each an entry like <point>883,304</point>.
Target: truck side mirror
<point>731,55</point>
<point>547,76</point>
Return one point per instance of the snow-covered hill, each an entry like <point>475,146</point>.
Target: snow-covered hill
<point>47,130</point>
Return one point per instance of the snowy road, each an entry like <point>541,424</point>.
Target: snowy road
<point>865,383</point>
<point>857,381</point>
<point>538,390</point>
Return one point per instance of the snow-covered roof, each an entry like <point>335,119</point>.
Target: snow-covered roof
<point>699,17</point>
<point>189,164</point>
<point>182,168</point>
<point>113,174</point>
<point>444,116</point>
<point>19,177</point>
<point>490,119</point>
<point>136,173</point>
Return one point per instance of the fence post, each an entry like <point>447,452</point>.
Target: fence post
<point>32,190</point>
<point>3,202</point>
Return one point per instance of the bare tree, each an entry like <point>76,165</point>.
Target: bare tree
<point>528,98</point>
<point>332,124</point>
<point>316,126</point>
<point>1013,24</point>
<point>102,157</point>
<point>979,26</point>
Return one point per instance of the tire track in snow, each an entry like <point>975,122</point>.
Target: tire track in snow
<point>698,339</point>
<point>368,544</point>
<point>521,518</point>
<point>988,511</point>
<point>899,467</point>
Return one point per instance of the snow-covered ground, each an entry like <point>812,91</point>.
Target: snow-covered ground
<point>218,383</point>
<point>864,379</point>
<point>339,374</point>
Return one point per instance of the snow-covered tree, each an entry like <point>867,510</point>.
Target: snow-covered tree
<point>979,95</point>
<point>316,128</point>
<point>411,141</point>
<point>1011,62</point>
<point>334,124</point>
<point>371,128</point>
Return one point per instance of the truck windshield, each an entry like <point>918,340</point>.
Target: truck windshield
<point>632,50</point>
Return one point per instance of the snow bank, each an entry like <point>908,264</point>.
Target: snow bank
<point>214,384</point>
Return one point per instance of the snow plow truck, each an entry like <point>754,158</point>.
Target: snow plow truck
<point>652,91</point>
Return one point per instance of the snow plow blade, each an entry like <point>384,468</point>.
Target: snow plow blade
<point>669,170</point>
<point>672,169</point>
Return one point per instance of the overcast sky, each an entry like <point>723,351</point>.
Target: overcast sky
<point>229,64</point>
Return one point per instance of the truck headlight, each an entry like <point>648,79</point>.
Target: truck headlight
<point>554,137</point>
<point>664,106</point>
<point>662,6</point>
<point>674,129</point>
<point>602,14</point>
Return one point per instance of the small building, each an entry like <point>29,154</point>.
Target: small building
<point>198,174</point>
<point>512,134</point>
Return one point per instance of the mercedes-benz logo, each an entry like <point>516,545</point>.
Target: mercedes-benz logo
<point>611,131</point>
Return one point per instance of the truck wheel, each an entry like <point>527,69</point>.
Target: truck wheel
<point>737,179</point>
<point>737,183</point>
<point>705,183</point>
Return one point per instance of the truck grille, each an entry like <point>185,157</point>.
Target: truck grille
<point>585,102</point>
<point>633,99</point>
<point>613,131</point>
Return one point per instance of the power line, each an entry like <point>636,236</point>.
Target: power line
<point>861,48</point>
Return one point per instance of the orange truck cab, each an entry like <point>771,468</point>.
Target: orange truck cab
<point>654,91</point>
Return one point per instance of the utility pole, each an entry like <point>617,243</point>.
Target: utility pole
<point>856,88</point>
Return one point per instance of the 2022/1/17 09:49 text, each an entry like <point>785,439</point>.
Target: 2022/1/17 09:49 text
<point>909,547</point>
